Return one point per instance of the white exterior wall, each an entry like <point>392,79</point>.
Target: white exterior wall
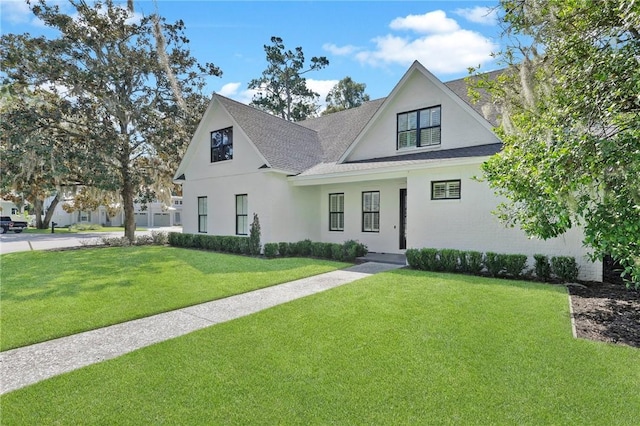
<point>379,140</point>
<point>468,224</point>
<point>385,241</point>
<point>285,213</point>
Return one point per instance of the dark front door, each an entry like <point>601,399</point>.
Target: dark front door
<point>403,219</point>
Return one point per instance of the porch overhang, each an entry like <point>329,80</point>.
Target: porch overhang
<point>363,171</point>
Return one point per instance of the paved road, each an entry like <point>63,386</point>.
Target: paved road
<point>11,242</point>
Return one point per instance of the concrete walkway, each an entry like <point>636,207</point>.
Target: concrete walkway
<point>30,364</point>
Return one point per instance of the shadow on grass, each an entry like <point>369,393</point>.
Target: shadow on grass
<point>43,275</point>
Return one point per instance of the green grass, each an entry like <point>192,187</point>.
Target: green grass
<point>403,347</point>
<point>45,295</point>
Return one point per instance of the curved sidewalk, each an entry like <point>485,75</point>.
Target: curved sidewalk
<point>30,364</point>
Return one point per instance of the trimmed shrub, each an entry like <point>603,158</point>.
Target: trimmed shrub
<point>159,237</point>
<point>303,248</point>
<point>542,267</point>
<point>413,258</point>
<point>565,268</point>
<point>429,260</point>
<point>337,252</point>
<point>253,242</point>
<point>353,249</point>
<point>494,263</point>
<point>283,249</point>
<point>116,241</point>
<point>270,250</point>
<point>473,262</point>
<point>449,260</point>
<point>143,240</point>
<point>317,249</point>
<point>514,264</point>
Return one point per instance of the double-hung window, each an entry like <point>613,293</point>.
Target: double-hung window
<point>371,211</point>
<point>419,128</point>
<point>222,145</point>
<point>242,214</point>
<point>445,190</point>
<point>202,214</point>
<point>336,212</point>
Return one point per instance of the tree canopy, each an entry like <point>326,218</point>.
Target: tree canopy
<point>127,95</point>
<point>570,101</point>
<point>282,89</point>
<point>345,95</point>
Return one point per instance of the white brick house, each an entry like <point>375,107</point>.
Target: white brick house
<point>394,173</point>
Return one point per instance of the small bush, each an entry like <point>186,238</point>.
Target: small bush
<point>159,237</point>
<point>84,227</point>
<point>337,252</point>
<point>473,262</point>
<point>413,258</point>
<point>253,242</point>
<point>353,249</point>
<point>494,263</point>
<point>270,250</point>
<point>303,248</point>
<point>429,260</point>
<point>565,268</point>
<point>317,249</point>
<point>283,249</point>
<point>115,241</point>
<point>542,267</point>
<point>144,240</point>
<point>449,260</point>
<point>514,264</point>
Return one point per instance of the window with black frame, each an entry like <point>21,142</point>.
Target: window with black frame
<point>419,128</point>
<point>371,211</point>
<point>336,212</point>
<point>202,214</point>
<point>222,145</point>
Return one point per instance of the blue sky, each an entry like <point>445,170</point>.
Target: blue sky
<point>373,42</point>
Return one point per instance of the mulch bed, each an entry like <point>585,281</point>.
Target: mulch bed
<point>607,313</point>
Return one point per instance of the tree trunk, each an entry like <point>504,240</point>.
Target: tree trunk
<point>127,201</point>
<point>37,211</point>
<point>50,211</point>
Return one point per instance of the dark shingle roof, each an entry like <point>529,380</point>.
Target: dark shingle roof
<point>285,145</point>
<point>338,130</point>
<point>484,107</point>
<point>466,152</point>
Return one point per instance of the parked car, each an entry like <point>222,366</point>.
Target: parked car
<point>7,224</point>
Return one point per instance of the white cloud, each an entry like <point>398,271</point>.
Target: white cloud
<point>18,12</point>
<point>322,87</point>
<point>430,23</point>
<point>479,15</point>
<point>229,89</point>
<point>339,51</point>
<point>441,45</point>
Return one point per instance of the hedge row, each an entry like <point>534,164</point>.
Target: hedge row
<point>221,243</point>
<point>563,268</point>
<point>347,251</point>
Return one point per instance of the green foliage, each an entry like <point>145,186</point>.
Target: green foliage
<point>303,248</point>
<point>282,90</point>
<point>283,249</point>
<point>254,245</point>
<point>337,252</point>
<point>75,227</point>
<point>570,124</point>
<point>429,259</point>
<point>515,264</point>
<point>565,268</point>
<point>495,263</point>
<point>270,250</point>
<point>354,249</point>
<point>542,267</point>
<point>413,258</point>
<point>346,94</point>
<point>449,260</point>
<point>473,262</point>
<point>124,97</point>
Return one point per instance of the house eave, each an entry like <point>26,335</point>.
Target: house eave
<point>384,172</point>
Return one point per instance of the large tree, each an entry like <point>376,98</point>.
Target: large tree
<point>130,90</point>
<point>282,89</point>
<point>345,94</point>
<point>571,123</point>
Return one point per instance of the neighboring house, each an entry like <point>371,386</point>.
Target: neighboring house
<point>155,214</point>
<point>8,208</point>
<point>394,173</point>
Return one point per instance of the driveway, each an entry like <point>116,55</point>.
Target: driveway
<point>11,242</point>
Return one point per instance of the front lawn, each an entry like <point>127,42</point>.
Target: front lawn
<point>45,295</point>
<point>401,347</point>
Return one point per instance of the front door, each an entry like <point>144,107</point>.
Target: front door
<point>403,219</point>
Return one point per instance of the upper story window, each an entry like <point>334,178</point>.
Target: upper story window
<point>419,128</point>
<point>222,145</point>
